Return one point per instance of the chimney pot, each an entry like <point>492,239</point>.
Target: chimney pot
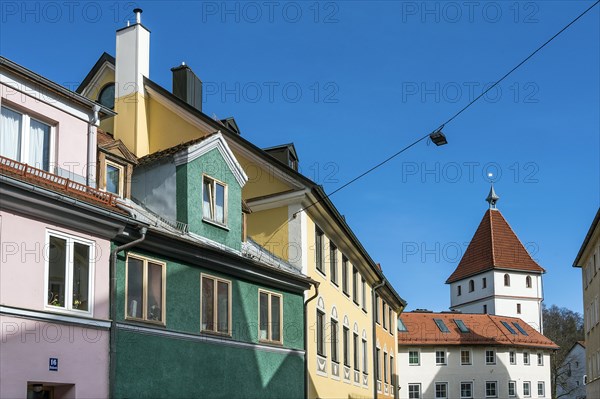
<point>138,15</point>
<point>187,86</point>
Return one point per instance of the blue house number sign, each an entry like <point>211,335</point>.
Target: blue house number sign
<point>53,364</point>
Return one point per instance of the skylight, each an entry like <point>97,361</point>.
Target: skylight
<point>520,328</point>
<point>441,325</point>
<point>509,328</point>
<point>401,326</point>
<point>461,326</point>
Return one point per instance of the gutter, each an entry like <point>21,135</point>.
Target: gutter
<point>113,308</point>
<point>374,318</point>
<point>316,284</point>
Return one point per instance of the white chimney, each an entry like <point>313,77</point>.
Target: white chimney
<point>133,57</point>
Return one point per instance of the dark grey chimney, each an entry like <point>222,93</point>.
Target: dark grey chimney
<point>187,86</point>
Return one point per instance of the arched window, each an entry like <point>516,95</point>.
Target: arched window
<point>107,96</point>
<point>471,285</point>
<point>506,280</point>
<point>528,281</point>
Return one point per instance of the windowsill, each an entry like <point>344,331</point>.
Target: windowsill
<point>364,310</point>
<point>216,334</point>
<point>143,321</point>
<point>71,312</point>
<point>272,343</point>
<point>215,223</point>
<point>322,273</point>
<point>346,293</point>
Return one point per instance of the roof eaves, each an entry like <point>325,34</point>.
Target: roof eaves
<point>587,239</point>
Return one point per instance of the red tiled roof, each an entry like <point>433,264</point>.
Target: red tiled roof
<point>41,178</point>
<point>484,329</point>
<point>494,246</point>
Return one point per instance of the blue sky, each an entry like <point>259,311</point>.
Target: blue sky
<point>351,83</point>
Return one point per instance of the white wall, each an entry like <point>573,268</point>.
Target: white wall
<point>570,375</point>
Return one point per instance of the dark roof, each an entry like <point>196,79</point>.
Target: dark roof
<point>494,246</point>
<point>484,329</point>
<point>587,239</point>
<point>53,86</point>
<point>107,142</point>
<point>171,150</point>
<point>105,57</point>
<point>288,146</point>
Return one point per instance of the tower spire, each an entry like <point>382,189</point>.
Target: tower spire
<point>492,197</point>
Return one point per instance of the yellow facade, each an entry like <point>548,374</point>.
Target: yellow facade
<point>386,340</point>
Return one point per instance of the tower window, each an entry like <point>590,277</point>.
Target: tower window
<point>484,308</point>
<point>518,308</point>
<point>506,280</point>
<point>471,285</point>
<point>528,281</point>
<point>459,288</point>
<point>484,282</point>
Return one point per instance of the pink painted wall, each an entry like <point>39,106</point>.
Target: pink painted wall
<point>22,264</point>
<point>71,132</point>
<point>27,345</point>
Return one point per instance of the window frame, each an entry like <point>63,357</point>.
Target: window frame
<point>213,199</point>
<point>512,357</point>
<point>540,359</point>
<point>528,282</point>
<point>506,280</point>
<point>333,260</point>
<point>345,285</point>
<point>334,340</point>
<point>269,294</point>
<point>487,362</point>
<point>483,282</point>
<point>121,168</point>
<point>514,388</point>
<point>471,285</point>
<point>470,361</point>
<point>435,390</point>
<point>445,357</point>
<point>458,290</point>
<point>418,386</point>
<point>146,260</point>
<point>495,395</point>
<point>320,332</point>
<point>346,345</point>
<point>215,307</point>
<point>526,358</point>
<point>319,241</point>
<point>543,386</point>
<point>384,314</point>
<point>26,117</point>
<point>363,284</point>
<point>68,289</point>
<point>470,383</point>
<point>365,353</point>
<point>356,349</point>
<point>377,361</point>
<point>385,367</point>
<point>528,384</point>
<point>418,352</point>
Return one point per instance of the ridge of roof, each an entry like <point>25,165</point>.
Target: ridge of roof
<point>155,156</point>
<point>587,238</point>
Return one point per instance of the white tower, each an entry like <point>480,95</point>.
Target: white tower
<point>496,274</point>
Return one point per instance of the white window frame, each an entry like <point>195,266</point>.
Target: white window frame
<point>26,118</point>
<point>145,261</point>
<point>215,304</point>
<point>526,358</point>
<point>418,385</point>
<point>540,359</point>
<point>470,357</point>
<point>543,385</point>
<point>486,357</point>
<point>213,199</point>
<point>461,393</point>
<point>418,357</point>
<point>121,168</point>
<point>435,385</point>
<point>442,350</point>
<point>269,322</point>
<point>529,387</point>
<point>512,354</point>
<point>71,240</point>
<point>514,386</point>
<point>486,390</point>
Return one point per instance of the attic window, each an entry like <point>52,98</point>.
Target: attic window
<point>107,96</point>
<point>113,178</point>
<point>461,326</point>
<point>521,330</point>
<point>441,325</point>
<point>401,326</point>
<point>213,200</point>
<point>509,328</point>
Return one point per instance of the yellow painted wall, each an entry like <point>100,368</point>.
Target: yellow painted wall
<point>269,229</point>
<point>261,180</point>
<point>107,76</point>
<point>387,343</point>
<point>131,118</point>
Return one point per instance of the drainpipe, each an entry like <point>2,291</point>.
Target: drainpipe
<point>316,284</point>
<point>374,306</point>
<point>113,308</point>
<point>92,147</point>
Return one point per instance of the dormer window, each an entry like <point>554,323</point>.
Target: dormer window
<point>113,178</point>
<point>214,199</point>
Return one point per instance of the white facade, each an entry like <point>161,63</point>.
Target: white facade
<point>487,293</point>
<point>571,377</point>
<point>479,374</point>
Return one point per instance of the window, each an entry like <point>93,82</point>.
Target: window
<point>526,358</point>
<point>333,263</point>
<point>384,312</point>
<point>518,326</point>
<point>490,356</point>
<point>440,357</point>
<point>441,325</point>
<point>528,281</point>
<point>441,390</point>
<point>346,346</point>
<point>414,391</point>
<point>377,312</point>
<point>413,358</point>
<point>145,285</point>
<point>471,285</point>
<point>392,376</point>
<point>508,327</point>
<point>334,341</point>
<point>355,285</point>
<point>107,96</point>
<point>491,389</point>
<point>485,309</point>
<point>356,353</point>
<point>214,198</point>
<point>401,325</point>
<point>25,139</point>
<point>512,357</point>
<point>69,272</point>
<point>506,280</point>
<point>364,293</point>
<point>541,389</point>
<point>484,282</point>
<point>466,390</point>
<point>378,364</point>
<point>459,290</point>
<point>512,389</point>
<point>527,389</point>
<point>385,367</point>
<point>461,326</point>
<point>319,250</point>
<point>540,359</point>
<point>465,357</point>
<point>365,353</point>
<point>391,319</point>
<point>518,308</point>
<point>216,305</point>
<point>113,178</point>
<point>320,333</point>
<point>345,275</point>
<point>271,316</point>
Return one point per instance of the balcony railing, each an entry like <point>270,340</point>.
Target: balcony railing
<point>49,179</point>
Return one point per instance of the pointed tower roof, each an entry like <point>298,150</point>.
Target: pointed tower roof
<point>494,246</point>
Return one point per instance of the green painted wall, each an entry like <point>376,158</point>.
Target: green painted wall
<point>148,365</point>
<point>189,199</point>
